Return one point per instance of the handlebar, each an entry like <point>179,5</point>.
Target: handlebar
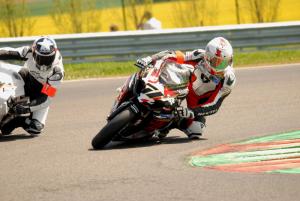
<point>142,66</point>
<point>139,66</point>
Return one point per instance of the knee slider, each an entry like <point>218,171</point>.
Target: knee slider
<point>195,127</point>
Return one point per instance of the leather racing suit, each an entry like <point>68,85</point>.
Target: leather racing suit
<point>40,87</point>
<point>205,94</point>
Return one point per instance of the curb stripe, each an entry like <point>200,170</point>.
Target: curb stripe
<point>288,171</point>
<point>277,137</point>
<point>242,147</point>
<point>261,166</point>
<point>236,158</point>
<point>279,153</point>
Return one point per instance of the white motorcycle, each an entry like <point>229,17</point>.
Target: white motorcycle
<point>11,91</point>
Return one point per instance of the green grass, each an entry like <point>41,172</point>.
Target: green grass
<point>94,70</point>
<point>267,57</point>
<point>110,69</point>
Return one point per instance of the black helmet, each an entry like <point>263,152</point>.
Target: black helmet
<point>44,52</point>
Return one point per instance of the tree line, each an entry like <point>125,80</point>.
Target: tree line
<point>77,16</point>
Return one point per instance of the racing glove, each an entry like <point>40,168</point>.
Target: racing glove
<point>21,109</point>
<point>143,62</point>
<point>184,112</point>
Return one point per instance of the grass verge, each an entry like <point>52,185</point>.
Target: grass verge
<point>110,69</point>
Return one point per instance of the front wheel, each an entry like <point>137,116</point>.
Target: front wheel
<point>107,133</point>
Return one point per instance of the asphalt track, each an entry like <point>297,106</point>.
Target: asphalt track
<point>59,164</point>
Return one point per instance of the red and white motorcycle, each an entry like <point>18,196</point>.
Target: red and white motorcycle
<point>11,91</point>
<point>147,103</point>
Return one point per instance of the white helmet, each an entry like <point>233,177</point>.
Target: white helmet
<point>44,51</point>
<point>218,55</point>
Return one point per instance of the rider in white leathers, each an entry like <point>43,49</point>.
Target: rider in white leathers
<point>212,81</point>
<point>42,73</point>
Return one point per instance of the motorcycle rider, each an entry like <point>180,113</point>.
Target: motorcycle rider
<point>211,82</point>
<point>42,73</point>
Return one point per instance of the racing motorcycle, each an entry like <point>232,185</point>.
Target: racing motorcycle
<point>147,103</point>
<point>11,91</point>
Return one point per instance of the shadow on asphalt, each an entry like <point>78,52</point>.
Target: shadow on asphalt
<point>147,143</point>
<point>7,138</point>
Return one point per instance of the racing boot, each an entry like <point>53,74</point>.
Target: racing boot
<point>195,129</point>
<point>164,132</point>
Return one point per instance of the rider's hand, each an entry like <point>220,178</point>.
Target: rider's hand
<point>143,62</point>
<point>184,112</point>
<point>21,109</point>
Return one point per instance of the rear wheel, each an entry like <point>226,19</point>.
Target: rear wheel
<point>107,133</point>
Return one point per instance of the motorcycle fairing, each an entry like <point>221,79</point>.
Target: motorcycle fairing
<point>12,85</point>
<point>164,84</point>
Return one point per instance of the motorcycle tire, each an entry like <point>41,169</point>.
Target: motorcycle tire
<point>107,133</point>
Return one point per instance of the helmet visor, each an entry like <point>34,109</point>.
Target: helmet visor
<point>219,63</point>
<point>211,73</point>
<point>44,60</point>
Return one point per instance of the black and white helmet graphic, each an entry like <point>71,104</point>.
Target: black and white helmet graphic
<point>44,52</point>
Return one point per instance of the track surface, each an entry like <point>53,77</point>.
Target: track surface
<point>59,164</point>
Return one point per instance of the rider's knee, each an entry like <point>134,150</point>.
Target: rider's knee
<point>196,127</point>
<point>33,126</point>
